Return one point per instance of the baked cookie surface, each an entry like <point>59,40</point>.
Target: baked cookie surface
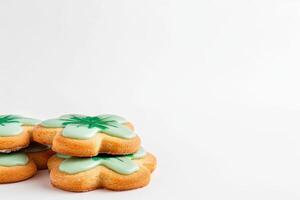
<point>23,164</point>
<point>102,171</point>
<point>39,154</point>
<point>87,136</point>
<point>15,132</point>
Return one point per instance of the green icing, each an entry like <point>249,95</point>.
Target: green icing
<point>119,131</point>
<point>53,123</point>
<point>139,154</point>
<point>79,132</point>
<point>36,147</point>
<point>90,122</point>
<point>11,125</point>
<point>13,159</point>
<point>120,164</point>
<point>117,118</point>
<point>76,165</point>
<point>6,119</point>
<point>11,129</point>
<point>63,156</point>
<point>84,127</point>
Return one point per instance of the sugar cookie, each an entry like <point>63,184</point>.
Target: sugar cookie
<point>102,171</point>
<point>23,164</point>
<point>86,136</point>
<point>15,132</point>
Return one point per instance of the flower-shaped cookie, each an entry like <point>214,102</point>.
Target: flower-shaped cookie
<point>86,136</point>
<point>15,132</point>
<point>102,171</point>
<point>23,164</point>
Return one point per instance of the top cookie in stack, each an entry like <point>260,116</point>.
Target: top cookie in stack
<point>87,136</point>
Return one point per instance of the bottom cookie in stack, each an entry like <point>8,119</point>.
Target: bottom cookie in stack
<point>23,164</point>
<point>102,171</point>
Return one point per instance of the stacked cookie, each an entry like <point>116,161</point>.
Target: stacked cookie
<point>20,157</point>
<point>94,152</point>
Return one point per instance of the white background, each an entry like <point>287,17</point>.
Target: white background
<point>212,87</point>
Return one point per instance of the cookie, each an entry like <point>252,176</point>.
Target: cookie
<point>102,171</point>
<point>15,132</point>
<point>86,136</point>
<point>39,154</point>
<point>23,164</point>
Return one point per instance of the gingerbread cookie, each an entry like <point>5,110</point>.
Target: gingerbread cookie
<point>102,171</point>
<point>86,136</point>
<point>23,164</point>
<point>15,132</point>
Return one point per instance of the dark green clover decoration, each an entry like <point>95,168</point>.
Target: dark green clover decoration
<point>85,127</point>
<point>11,125</point>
